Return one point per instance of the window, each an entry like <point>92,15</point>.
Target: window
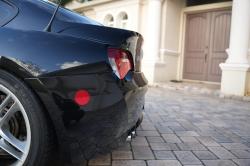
<point>122,20</point>
<point>125,22</point>
<point>111,22</point>
<point>202,2</point>
<point>7,12</point>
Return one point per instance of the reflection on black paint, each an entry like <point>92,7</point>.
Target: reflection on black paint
<point>72,117</point>
<point>35,69</point>
<point>97,67</point>
<point>46,50</point>
<point>57,65</point>
<point>64,104</point>
<point>90,131</point>
<point>101,87</point>
<point>33,9</point>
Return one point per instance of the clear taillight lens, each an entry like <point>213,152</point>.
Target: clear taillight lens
<point>120,62</point>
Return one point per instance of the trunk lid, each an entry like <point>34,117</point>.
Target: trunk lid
<point>127,40</point>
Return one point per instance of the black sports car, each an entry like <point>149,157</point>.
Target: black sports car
<point>76,85</point>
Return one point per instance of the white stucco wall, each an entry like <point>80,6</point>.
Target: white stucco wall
<point>171,21</point>
<point>137,11</point>
<point>118,10</point>
<point>90,14</point>
<point>248,74</point>
<point>143,22</point>
<point>72,4</point>
<point>169,41</point>
<point>172,29</point>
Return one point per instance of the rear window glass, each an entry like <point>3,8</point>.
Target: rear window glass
<point>7,12</point>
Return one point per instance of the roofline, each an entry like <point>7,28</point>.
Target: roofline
<point>89,5</point>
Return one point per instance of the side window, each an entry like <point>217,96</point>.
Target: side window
<point>7,12</point>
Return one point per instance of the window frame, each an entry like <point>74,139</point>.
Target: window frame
<point>190,3</point>
<point>124,21</point>
<point>111,22</point>
<point>13,15</point>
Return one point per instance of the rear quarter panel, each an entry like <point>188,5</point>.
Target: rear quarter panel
<point>41,54</point>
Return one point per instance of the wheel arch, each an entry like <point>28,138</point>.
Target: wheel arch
<point>47,101</point>
<point>19,85</point>
<point>55,115</point>
<point>12,66</point>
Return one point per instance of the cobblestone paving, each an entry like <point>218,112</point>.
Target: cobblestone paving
<point>182,128</point>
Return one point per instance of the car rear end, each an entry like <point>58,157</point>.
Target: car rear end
<point>105,72</point>
<point>114,109</point>
<point>117,97</point>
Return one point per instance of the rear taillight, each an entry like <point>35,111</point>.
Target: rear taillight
<point>120,62</point>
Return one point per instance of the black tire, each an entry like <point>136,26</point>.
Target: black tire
<point>43,139</point>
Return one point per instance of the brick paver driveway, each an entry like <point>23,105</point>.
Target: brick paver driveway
<point>184,128</point>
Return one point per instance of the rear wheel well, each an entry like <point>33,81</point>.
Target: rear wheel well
<point>22,79</point>
<point>45,142</point>
<point>32,90</point>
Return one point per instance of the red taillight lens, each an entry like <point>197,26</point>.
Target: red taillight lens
<point>119,61</point>
<point>82,97</point>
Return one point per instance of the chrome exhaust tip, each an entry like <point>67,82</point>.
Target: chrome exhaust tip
<point>133,132</point>
<point>129,138</point>
<point>131,135</point>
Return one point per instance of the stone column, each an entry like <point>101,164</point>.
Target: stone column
<point>235,69</point>
<point>151,59</point>
<point>153,31</point>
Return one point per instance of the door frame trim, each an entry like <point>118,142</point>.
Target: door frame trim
<point>191,10</point>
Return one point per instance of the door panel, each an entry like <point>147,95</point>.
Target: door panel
<point>219,42</point>
<point>197,38</point>
<point>207,38</point>
<point>196,34</point>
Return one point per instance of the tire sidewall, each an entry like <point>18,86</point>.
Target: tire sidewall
<point>18,88</point>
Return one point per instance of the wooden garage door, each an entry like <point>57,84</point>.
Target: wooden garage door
<point>207,38</point>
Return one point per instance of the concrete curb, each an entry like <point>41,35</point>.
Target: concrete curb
<point>179,86</point>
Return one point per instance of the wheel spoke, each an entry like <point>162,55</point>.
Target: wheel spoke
<point>8,142</point>
<point>5,131</point>
<point>5,146</point>
<point>7,136</point>
<point>6,101</point>
<point>5,119</point>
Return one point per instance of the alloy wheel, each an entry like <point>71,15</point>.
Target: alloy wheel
<point>15,132</point>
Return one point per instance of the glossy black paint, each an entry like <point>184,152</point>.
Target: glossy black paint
<point>71,58</point>
<point>5,15</point>
<point>86,132</point>
<point>50,52</point>
<point>36,14</point>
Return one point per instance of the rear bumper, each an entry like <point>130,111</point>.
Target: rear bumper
<point>100,127</point>
<point>101,132</point>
